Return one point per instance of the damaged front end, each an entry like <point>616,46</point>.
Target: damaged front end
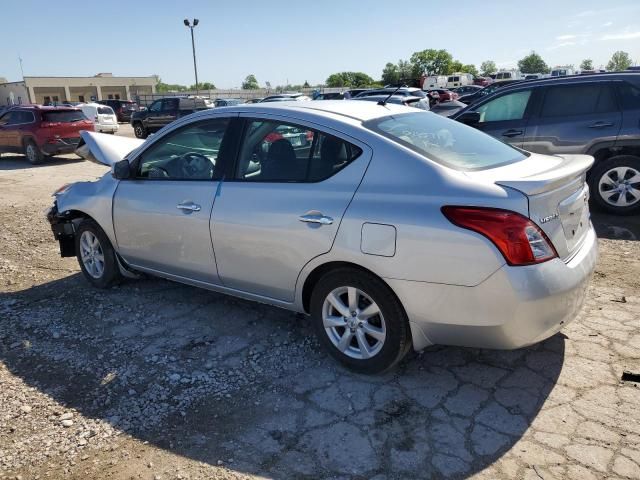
<point>64,230</point>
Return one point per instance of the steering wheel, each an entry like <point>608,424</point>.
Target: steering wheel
<point>196,166</point>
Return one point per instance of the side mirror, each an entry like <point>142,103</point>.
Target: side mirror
<point>469,118</point>
<point>122,170</point>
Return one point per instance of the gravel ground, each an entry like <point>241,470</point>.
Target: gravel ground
<point>157,380</point>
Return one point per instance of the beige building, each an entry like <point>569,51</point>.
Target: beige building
<point>103,86</point>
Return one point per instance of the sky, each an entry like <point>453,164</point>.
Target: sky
<point>294,42</point>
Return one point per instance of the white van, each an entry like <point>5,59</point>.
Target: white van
<point>459,80</point>
<point>103,117</point>
<point>434,81</point>
<point>508,75</point>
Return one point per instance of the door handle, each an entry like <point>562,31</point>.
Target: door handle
<point>601,125</point>
<point>316,218</point>
<point>512,133</point>
<point>188,206</point>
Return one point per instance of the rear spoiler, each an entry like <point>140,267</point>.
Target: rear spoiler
<point>572,166</point>
<point>105,149</point>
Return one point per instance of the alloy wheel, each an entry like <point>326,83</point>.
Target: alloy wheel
<point>620,186</point>
<point>32,155</point>
<point>354,323</point>
<point>91,254</point>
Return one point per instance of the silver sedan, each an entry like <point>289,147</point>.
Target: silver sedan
<point>391,227</point>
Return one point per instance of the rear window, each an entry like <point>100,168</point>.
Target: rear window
<point>105,111</point>
<point>445,141</point>
<point>63,116</point>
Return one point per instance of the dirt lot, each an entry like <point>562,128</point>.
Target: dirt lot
<point>157,380</point>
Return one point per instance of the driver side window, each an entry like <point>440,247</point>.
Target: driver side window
<point>156,106</point>
<point>189,153</point>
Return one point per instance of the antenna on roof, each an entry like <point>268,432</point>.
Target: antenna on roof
<point>384,102</point>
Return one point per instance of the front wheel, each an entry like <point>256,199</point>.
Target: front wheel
<point>360,321</point>
<point>615,184</point>
<point>140,131</point>
<point>96,256</point>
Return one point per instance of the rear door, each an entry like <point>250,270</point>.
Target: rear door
<point>505,116</point>
<point>282,203</point>
<point>629,97</point>
<point>161,216</point>
<point>571,118</point>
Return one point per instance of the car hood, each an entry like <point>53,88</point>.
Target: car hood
<point>105,149</point>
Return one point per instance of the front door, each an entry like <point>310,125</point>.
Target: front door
<point>282,204</point>
<point>161,216</point>
<point>574,117</point>
<point>505,117</point>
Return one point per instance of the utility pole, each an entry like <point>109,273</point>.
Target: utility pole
<point>193,46</point>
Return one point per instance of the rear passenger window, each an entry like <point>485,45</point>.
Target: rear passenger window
<point>564,101</point>
<point>282,152</point>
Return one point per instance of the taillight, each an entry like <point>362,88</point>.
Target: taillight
<point>520,241</point>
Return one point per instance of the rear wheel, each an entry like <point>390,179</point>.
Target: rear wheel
<point>360,321</point>
<point>615,184</point>
<point>96,256</point>
<point>32,152</point>
<point>139,130</point>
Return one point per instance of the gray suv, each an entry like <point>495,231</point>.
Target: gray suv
<point>598,115</point>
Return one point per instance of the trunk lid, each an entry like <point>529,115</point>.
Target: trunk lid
<point>557,193</point>
<point>105,149</point>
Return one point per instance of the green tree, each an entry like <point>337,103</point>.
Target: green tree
<point>487,68</point>
<point>406,71</point>
<point>619,61</point>
<point>203,86</point>
<point>162,87</point>
<point>469,68</point>
<point>587,64</point>
<point>390,74</point>
<point>250,83</point>
<point>431,62</point>
<point>349,79</point>
<point>533,63</point>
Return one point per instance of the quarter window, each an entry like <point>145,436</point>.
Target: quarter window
<point>507,107</point>
<point>583,99</point>
<point>282,152</point>
<point>190,153</point>
<point>630,96</point>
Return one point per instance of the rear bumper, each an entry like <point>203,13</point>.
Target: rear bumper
<point>106,127</point>
<point>515,307</point>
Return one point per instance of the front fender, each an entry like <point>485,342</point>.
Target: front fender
<point>94,199</point>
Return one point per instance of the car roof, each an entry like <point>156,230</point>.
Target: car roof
<point>572,79</point>
<point>45,107</point>
<point>348,109</point>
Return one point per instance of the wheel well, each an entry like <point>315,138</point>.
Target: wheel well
<point>608,152</point>
<point>320,271</point>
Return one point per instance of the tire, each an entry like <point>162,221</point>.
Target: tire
<point>139,130</point>
<point>606,177</point>
<point>32,152</point>
<point>390,325</point>
<point>100,274</point>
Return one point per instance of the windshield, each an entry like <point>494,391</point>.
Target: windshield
<point>445,141</point>
<point>64,116</point>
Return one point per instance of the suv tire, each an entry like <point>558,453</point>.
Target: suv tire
<point>386,332</point>
<point>32,152</point>
<point>139,130</point>
<point>96,255</point>
<point>615,184</point>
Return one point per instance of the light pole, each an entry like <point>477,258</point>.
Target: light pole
<point>193,46</point>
